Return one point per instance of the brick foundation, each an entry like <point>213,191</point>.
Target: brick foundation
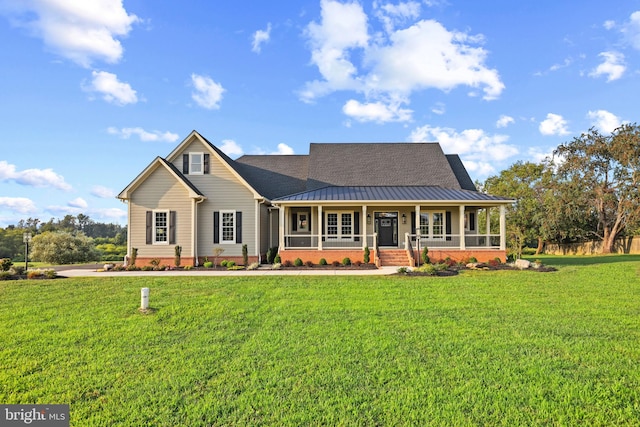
<point>458,255</point>
<point>329,255</point>
<point>184,261</point>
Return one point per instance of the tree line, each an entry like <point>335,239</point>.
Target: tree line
<point>70,239</point>
<point>587,190</point>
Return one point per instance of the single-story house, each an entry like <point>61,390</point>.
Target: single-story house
<point>391,198</point>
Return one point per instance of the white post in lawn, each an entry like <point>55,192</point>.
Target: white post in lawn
<point>144,298</point>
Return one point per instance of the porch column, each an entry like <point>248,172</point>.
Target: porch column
<point>364,226</point>
<point>488,239</point>
<point>281,227</point>
<point>503,228</point>
<point>463,243</point>
<point>319,222</point>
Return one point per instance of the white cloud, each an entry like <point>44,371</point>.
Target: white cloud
<point>17,204</point>
<point>283,149</point>
<point>439,108</point>
<point>477,148</point>
<point>78,203</point>
<point>554,124</point>
<point>376,112</point>
<point>609,24</point>
<point>393,14</point>
<point>33,177</point>
<point>631,30</point>
<point>144,135</point>
<point>102,192</point>
<point>613,66</point>
<point>538,155</point>
<point>112,90</point>
<point>260,37</point>
<point>231,148</point>
<point>604,120</point>
<point>504,121</point>
<point>82,31</point>
<point>208,93</point>
<point>392,66</point>
<point>109,213</point>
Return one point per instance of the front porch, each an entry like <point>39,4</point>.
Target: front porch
<point>335,232</point>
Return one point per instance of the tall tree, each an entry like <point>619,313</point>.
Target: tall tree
<point>600,174</point>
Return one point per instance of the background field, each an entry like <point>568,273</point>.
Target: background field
<point>495,348</point>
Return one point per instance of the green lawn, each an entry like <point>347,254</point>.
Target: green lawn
<point>482,348</point>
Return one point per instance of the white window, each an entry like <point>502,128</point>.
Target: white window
<point>161,227</point>
<point>432,225</point>
<point>227,226</point>
<point>196,163</point>
<point>339,225</point>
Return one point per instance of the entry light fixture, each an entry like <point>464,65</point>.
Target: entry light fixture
<point>404,218</point>
<point>368,218</point>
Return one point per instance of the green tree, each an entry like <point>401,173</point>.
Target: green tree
<point>522,182</point>
<point>63,248</point>
<point>600,174</point>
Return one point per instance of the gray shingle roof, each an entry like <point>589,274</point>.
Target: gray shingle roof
<point>382,164</point>
<point>395,193</point>
<point>274,175</point>
<point>461,172</point>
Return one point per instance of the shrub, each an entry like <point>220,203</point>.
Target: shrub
<point>440,267</point>
<point>253,266</point>
<point>42,274</point>
<point>498,260</point>
<point>50,273</point>
<point>323,261</point>
<point>358,263</point>
<point>425,255</point>
<point>429,269</point>
<point>346,261</point>
<point>132,267</point>
<point>155,263</point>
<point>223,263</point>
<point>6,275</point>
<point>367,254</point>
<point>336,263</point>
<point>309,264</point>
<point>235,267</point>
<point>276,266</point>
<point>18,270</point>
<point>297,262</point>
<point>5,264</point>
<point>63,248</point>
<point>245,255</point>
<point>177,255</point>
<point>147,268</point>
<point>493,263</point>
<point>271,254</point>
<point>473,259</point>
<point>402,270</point>
<point>230,264</point>
<point>134,256</point>
<point>188,267</point>
<point>277,259</point>
<point>287,263</point>
<point>208,264</point>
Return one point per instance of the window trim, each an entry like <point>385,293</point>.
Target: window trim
<point>154,240</point>
<point>222,227</point>
<point>339,225</point>
<point>191,163</point>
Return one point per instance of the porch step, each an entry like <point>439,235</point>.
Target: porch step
<point>393,257</point>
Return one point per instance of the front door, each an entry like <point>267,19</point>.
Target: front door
<point>386,225</point>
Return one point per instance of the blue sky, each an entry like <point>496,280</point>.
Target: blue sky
<point>91,92</point>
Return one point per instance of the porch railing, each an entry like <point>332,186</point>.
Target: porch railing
<point>310,241</point>
<point>452,241</point>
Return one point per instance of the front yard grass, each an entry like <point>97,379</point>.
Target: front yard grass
<point>490,348</point>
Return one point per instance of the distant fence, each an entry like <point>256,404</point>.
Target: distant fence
<point>626,245</point>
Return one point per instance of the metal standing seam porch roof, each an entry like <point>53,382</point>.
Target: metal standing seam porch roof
<point>390,193</point>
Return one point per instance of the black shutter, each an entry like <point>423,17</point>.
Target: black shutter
<point>185,163</point>
<point>216,227</point>
<point>172,227</point>
<point>414,229</point>
<point>149,227</point>
<point>238,227</point>
<point>356,225</point>
<point>447,223</point>
<point>472,221</point>
<point>206,163</point>
<point>294,220</point>
<point>322,221</point>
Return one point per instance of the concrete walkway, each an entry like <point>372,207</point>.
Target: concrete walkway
<point>79,272</point>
